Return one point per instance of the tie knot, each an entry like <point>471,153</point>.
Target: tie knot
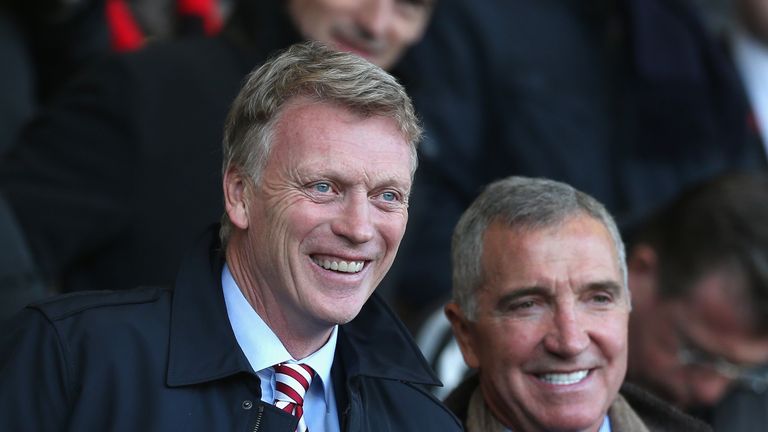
<point>292,382</point>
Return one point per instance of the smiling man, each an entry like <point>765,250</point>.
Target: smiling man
<point>273,328</point>
<point>541,310</point>
<point>96,184</point>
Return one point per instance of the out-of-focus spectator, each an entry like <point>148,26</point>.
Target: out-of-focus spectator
<point>628,100</point>
<point>698,272</point>
<point>112,182</point>
<point>44,44</point>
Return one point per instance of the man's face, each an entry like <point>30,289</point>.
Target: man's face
<point>679,346</point>
<point>378,30</point>
<point>550,338</point>
<point>328,215</point>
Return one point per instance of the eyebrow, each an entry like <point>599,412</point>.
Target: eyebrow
<point>343,178</point>
<point>522,292</point>
<point>607,285</point>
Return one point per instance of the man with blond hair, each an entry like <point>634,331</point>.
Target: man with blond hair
<point>273,327</point>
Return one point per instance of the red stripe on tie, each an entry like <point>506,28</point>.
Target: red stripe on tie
<point>288,391</point>
<point>309,370</point>
<point>289,408</point>
<point>287,370</point>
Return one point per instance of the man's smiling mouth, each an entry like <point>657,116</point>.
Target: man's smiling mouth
<point>563,378</point>
<point>339,265</point>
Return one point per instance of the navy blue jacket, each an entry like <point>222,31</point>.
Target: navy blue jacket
<point>156,359</point>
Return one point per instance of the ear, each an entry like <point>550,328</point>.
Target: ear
<point>643,273</point>
<point>462,330</point>
<point>235,197</point>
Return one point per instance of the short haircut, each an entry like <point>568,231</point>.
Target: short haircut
<point>717,225</point>
<point>308,70</point>
<point>523,204</point>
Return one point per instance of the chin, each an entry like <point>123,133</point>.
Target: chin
<point>340,313</point>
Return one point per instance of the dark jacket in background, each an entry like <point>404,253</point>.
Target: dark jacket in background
<point>167,360</point>
<point>112,181</point>
<point>630,101</point>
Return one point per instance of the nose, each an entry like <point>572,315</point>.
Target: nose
<point>375,17</point>
<point>354,219</point>
<point>707,387</point>
<point>567,336</point>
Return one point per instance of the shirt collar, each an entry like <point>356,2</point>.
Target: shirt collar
<point>259,343</point>
<point>605,427</point>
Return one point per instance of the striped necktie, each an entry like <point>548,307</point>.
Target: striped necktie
<point>291,383</point>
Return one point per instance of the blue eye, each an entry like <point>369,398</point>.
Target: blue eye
<point>322,187</point>
<point>389,196</point>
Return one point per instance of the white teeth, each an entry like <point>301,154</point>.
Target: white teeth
<point>565,378</point>
<point>341,266</point>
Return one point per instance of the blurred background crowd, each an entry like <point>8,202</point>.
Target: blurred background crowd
<point>112,113</point>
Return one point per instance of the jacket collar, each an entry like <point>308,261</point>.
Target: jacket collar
<point>203,346</point>
<point>377,344</point>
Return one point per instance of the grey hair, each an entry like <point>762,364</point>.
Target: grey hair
<point>313,71</point>
<point>523,204</point>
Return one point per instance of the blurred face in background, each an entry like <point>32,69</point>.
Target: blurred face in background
<point>377,30</point>
<point>691,350</point>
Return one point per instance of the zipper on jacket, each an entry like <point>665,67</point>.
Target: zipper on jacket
<point>258,418</point>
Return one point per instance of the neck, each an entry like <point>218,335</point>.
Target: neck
<point>300,336</point>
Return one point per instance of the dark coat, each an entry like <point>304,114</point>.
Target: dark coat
<point>164,360</point>
<point>657,415</point>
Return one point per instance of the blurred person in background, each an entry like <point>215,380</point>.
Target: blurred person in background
<point>46,43</point>
<point>698,273</point>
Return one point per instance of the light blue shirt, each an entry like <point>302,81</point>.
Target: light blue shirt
<point>263,350</point>
<point>605,427</point>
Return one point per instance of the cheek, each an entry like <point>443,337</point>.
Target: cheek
<point>391,227</point>
<point>610,334</point>
<point>407,31</point>
<point>295,223</point>
<point>509,346</point>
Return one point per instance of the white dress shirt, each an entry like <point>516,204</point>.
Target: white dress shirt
<point>751,58</point>
<point>263,350</point>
